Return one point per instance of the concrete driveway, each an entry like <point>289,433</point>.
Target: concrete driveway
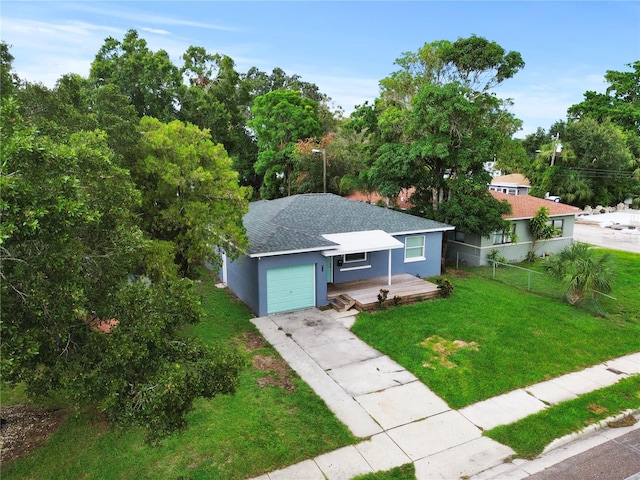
<point>377,398</point>
<point>399,418</point>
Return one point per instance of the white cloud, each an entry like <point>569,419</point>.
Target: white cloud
<point>135,16</point>
<point>156,31</point>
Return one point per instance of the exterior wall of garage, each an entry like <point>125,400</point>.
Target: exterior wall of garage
<point>242,279</point>
<point>279,261</point>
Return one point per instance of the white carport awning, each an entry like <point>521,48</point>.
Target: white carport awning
<point>356,242</point>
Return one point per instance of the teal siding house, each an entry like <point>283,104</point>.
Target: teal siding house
<point>301,244</point>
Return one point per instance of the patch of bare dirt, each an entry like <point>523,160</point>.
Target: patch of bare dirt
<point>439,349</point>
<point>253,341</point>
<point>24,429</point>
<point>279,373</point>
<point>625,421</point>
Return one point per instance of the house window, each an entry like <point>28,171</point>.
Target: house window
<point>558,225</point>
<point>504,236</point>
<point>355,257</point>
<point>414,249</point>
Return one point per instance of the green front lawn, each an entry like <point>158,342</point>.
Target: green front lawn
<point>515,338</point>
<point>257,430</point>
<point>529,436</point>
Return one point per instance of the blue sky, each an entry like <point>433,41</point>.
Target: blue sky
<point>345,48</point>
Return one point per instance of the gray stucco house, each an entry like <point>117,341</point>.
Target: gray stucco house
<point>473,249</point>
<point>302,243</point>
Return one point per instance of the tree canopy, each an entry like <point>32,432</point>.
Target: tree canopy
<point>92,306</point>
<point>599,163</point>
<point>190,194</point>
<point>620,103</point>
<point>280,119</point>
<point>434,126</point>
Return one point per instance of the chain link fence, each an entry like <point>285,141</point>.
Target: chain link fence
<point>528,279</point>
<point>513,275</point>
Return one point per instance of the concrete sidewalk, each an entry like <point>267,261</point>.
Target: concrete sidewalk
<point>406,422</point>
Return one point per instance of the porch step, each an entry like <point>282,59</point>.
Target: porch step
<point>343,302</point>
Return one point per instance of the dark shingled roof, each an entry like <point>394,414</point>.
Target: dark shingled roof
<point>297,223</point>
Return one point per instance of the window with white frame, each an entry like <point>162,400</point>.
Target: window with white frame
<point>355,257</point>
<point>414,248</point>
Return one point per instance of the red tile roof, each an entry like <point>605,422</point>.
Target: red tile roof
<point>402,201</point>
<point>526,206</point>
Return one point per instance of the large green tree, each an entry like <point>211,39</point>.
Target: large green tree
<point>74,321</point>
<point>68,243</point>
<point>436,123</point>
<point>620,103</point>
<point>594,167</point>
<point>218,99</point>
<point>190,193</point>
<point>280,119</point>
<point>149,79</point>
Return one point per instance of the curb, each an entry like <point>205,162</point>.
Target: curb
<point>594,427</point>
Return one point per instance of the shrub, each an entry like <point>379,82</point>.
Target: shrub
<point>495,256</point>
<point>382,297</point>
<point>445,287</point>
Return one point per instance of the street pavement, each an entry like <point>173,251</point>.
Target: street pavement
<point>596,230</point>
<point>404,421</point>
<point>616,459</point>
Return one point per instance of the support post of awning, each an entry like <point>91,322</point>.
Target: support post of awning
<point>389,270</point>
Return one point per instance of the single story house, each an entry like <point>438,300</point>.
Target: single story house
<point>513,184</point>
<point>473,249</point>
<point>302,243</point>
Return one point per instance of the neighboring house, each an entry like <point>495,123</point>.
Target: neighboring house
<point>513,184</point>
<point>302,243</point>
<point>473,249</point>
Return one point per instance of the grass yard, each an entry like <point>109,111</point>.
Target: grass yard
<point>506,337</point>
<point>404,472</point>
<point>529,436</point>
<point>274,420</point>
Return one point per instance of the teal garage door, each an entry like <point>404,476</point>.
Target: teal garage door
<point>291,288</point>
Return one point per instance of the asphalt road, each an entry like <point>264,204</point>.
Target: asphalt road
<point>617,459</point>
<point>592,229</point>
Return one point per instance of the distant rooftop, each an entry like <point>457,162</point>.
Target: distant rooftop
<point>516,179</point>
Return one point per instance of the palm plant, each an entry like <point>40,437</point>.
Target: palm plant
<point>582,271</point>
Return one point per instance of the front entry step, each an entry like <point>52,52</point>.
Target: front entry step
<point>342,303</point>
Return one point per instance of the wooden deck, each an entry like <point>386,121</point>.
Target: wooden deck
<point>408,288</point>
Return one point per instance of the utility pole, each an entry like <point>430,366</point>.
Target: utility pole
<point>557,147</point>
